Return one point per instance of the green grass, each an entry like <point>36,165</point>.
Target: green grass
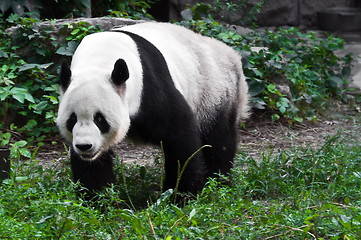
<point>305,193</point>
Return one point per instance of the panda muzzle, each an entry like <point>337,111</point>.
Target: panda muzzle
<point>84,147</point>
<point>85,151</point>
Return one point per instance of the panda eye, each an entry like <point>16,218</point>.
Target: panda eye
<point>70,123</point>
<point>101,123</point>
<point>98,118</point>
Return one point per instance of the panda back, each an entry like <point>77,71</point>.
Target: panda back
<point>207,72</point>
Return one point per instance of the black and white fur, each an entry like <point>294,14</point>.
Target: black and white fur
<point>152,82</point>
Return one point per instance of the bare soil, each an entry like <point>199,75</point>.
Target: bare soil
<point>259,135</point>
<point>264,135</point>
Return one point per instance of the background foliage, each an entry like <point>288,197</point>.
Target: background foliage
<point>240,12</point>
<point>50,9</point>
<point>306,193</point>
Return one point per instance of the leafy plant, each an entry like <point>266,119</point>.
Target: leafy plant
<point>131,9</point>
<point>290,73</point>
<point>304,64</point>
<point>29,87</point>
<point>241,12</point>
<point>18,149</point>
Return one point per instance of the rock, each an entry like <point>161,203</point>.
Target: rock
<point>275,12</point>
<point>240,30</point>
<point>295,12</point>
<point>309,8</point>
<point>104,23</point>
<point>279,13</point>
<point>355,49</point>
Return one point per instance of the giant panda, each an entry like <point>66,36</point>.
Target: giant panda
<point>152,83</point>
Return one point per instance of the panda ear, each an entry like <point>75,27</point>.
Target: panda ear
<point>120,72</point>
<point>65,75</point>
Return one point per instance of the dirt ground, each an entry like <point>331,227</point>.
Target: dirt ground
<point>259,135</point>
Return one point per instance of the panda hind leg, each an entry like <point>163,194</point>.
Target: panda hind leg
<point>222,136</point>
<point>177,152</point>
<point>179,145</point>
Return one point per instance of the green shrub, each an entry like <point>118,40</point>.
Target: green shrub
<point>240,12</point>
<point>29,60</point>
<point>293,74</point>
<point>304,63</point>
<point>133,9</point>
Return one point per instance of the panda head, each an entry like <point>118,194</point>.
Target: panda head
<point>93,113</point>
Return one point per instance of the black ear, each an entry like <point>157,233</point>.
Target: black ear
<point>65,75</point>
<point>120,72</point>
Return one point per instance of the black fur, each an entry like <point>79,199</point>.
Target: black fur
<point>222,136</point>
<point>101,123</point>
<point>70,123</point>
<point>93,175</point>
<point>120,72</point>
<point>65,75</point>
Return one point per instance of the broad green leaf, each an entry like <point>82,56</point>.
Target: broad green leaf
<point>19,97</point>
<point>68,50</point>
<point>29,97</point>
<point>75,31</point>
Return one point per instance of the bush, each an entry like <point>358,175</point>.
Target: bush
<point>29,60</point>
<point>291,74</point>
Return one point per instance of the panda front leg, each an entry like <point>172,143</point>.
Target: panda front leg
<point>92,175</point>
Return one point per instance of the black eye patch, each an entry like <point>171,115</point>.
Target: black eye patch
<point>101,123</point>
<point>70,123</point>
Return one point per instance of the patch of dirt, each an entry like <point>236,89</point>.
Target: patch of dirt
<point>264,135</point>
<point>260,135</point>
<point>51,155</point>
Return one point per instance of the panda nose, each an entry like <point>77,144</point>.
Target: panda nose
<point>84,147</point>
